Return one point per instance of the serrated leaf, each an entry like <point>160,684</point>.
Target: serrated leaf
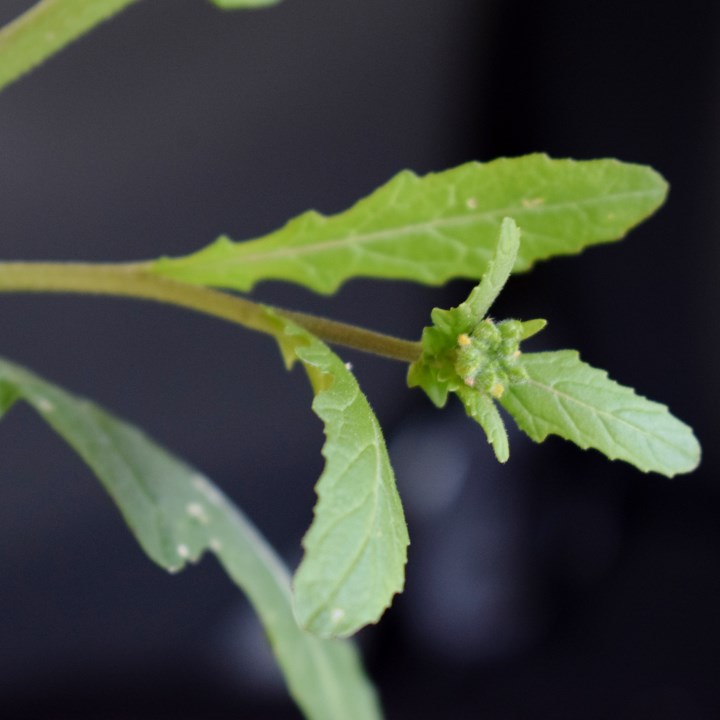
<point>433,228</point>
<point>176,514</point>
<point>567,397</point>
<point>482,409</point>
<point>356,547</point>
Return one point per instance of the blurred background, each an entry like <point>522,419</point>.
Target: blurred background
<point>558,586</point>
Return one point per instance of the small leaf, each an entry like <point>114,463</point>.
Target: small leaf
<point>176,514</point>
<point>444,225</point>
<point>567,397</point>
<point>473,310</point>
<point>532,327</point>
<point>481,408</point>
<point>356,547</point>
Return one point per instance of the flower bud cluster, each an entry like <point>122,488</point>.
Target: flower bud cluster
<point>487,358</point>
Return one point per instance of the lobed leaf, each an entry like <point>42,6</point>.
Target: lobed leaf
<point>176,514</point>
<point>356,547</point>
<point>433,228</point>
<point>567,397</point>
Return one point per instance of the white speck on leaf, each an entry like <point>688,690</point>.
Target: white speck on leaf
<point>471,203</point>
<point>215,545</point>
<point>337,615</point>
<point>197,511</point>
<point>44,405</point>
<point>183,551</point>
<point>532,202</point>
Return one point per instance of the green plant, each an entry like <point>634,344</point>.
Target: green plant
<point>478,221</point>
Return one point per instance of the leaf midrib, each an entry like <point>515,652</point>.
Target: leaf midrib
<point>450,221</point>
<point>596,411</point>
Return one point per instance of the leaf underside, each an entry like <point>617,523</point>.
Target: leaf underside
<point>356,547</point>
<point>176,514</point>
<point>567,397</point>
<point>433,228</point>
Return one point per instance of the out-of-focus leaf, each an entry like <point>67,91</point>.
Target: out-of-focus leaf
<point>176,514</point>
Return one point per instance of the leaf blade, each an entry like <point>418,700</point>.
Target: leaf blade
<point>497,273</point>
<point>356,547</point>
<point>567,397</point>
<point>433,228</point>
<point>482,409</point>
<point>176,514</point>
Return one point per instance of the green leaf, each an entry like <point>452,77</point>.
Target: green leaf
<point>356,547</point>
<point>532,327</point>
<point>432,228</point>
<point>47,27</point>
<point>567,397</point>
<point>469,313</point>
<point>481,408</point>
<point>50,25</point>
<point>176,514</point>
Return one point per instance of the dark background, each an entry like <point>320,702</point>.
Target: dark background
<point>558,586</point>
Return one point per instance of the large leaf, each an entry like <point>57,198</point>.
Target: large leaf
<point>432,228</point>
<point>356,547</point>
<point>567,397</point>
<point>176,514</point>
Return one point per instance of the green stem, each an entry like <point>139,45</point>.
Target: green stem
<point>134,280</point>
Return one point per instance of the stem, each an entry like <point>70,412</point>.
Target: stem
<point>134,280</point>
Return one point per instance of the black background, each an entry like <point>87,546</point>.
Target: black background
<point>558,586</point>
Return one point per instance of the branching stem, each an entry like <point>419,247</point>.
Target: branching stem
<point>134,280</point>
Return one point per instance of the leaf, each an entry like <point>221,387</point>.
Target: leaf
<point>482,409</point>
<point>432,228</point>
<point>50,25</point>
<point>356,547</point>
<point>47,27</point>
<point>470,312</point>
<point>567,397</point>
<point>532,327</point>
<point>176,514</point>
